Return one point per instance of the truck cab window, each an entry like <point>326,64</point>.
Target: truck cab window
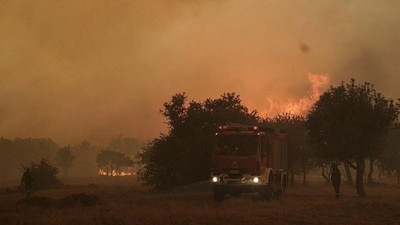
<point>237,145</point>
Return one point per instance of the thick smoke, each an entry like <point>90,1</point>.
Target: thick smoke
<point>91,70</point>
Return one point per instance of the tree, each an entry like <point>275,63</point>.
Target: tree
<point>127,145</point>
<point>183,155</point>
<point>325,171</point>
<point>348,174</point>
<point>85,159</point>
<point>370,171</point>
<point>349,122</point>
<point>44,175</point>
<point>111,161</point>
<point>65,159</point>
<point>161,165</point>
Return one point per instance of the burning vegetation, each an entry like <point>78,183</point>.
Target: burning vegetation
<point>112,163</point>
<point>319,83</point>
<point>122,172</point>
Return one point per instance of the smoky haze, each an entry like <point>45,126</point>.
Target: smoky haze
<point>74,70</point>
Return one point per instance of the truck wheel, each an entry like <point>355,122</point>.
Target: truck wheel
<point>284,185</point>
<point>268,193</point>
<point>279,194</point>
<point>218,195</point>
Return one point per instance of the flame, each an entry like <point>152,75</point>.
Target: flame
<point>319,83</point>
<point>115,173</point>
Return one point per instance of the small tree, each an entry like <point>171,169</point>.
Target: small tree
<point>44,175</point>
<point>349,122</point>
<point>65,159</point>
<point>111,161</point>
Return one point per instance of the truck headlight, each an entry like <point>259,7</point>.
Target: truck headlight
<point>256,180</point>
<point>215,179</point>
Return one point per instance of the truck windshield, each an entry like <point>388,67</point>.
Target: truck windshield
<point>236,145</point>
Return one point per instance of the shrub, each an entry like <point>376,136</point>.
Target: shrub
<point>44,175</point>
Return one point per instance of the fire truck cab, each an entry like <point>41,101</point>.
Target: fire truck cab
<point>249,159</point>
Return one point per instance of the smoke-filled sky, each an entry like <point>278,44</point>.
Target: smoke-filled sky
<point>74,70</point>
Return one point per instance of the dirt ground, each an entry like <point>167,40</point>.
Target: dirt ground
<point>130,204</point>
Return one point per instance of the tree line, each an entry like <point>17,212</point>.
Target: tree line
<point>83,159</point>
<point>350,124</point>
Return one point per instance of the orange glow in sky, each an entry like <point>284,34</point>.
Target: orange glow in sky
<point>319,83</point>
<point>95,69</point>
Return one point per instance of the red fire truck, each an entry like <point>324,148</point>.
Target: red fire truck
<point>249,159</point>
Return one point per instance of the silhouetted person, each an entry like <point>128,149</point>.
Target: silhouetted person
<point>27,181</point>
<point>336,179</point>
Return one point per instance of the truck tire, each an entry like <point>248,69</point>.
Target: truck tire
<point>279,194</point>
<point>284,184</point>
<point>268,193</point>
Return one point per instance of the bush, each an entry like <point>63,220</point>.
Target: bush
<point>44,176</point>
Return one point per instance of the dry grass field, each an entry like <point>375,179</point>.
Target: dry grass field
<point>130,204</point>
